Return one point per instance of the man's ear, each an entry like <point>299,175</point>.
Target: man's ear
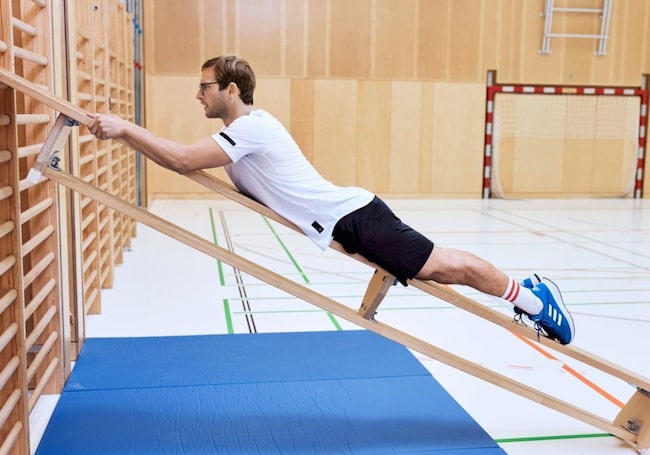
<point>233,89</point>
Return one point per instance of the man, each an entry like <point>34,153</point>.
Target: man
<point>264,162</point>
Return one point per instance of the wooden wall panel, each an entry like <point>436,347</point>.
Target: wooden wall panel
<point>173,28</point>
<point>295,37</point>
<point>458,122</point>
<point>445,40</point>
<point>395,45</point>
<point>632,22</point>
<point>576,154</point>
<point>215,33</point>
<point>523,48</point>
<point>406,125</point>
<point>274,96</point>
<point>318,18</point>
<point>350,48</point>
<point>433,40</point>
<point>427,137</point>
<point>466,59</point>
<point>335,130</point>
<point>186,125</point>
<point>374,135</point>
<point>302,114</point>
<point>262,42</point>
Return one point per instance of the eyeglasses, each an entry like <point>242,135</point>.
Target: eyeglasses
<point>203,85</point>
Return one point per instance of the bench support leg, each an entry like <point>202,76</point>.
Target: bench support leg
<point>635,418</point>
<point>375,293</point>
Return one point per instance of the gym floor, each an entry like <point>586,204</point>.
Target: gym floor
<point>596,250</point>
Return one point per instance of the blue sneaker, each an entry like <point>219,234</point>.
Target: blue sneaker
<point>531,281</point>
<point>554,320</point>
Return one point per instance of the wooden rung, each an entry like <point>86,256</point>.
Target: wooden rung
<point>7,263</point>
<point>24,27</point>
<point>9,405</point>
<point>379,284</point>
<point>36,210</point>
<point>9,369</point>
<point>39,298</point>
<point>43,381</point>
<point>6,192</point>
<point>7,299</point>
<point>37,269</point>
<point>40,327</point>
<point>45,349</point>
<point>11,438</point>
<point>30,56</point>
<point>635,418</point>
<point>8,335</point>
<point>32,119</point>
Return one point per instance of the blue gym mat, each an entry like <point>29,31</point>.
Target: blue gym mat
<point>339,392</point>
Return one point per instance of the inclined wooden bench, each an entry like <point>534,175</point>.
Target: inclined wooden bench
<point>630,424</point>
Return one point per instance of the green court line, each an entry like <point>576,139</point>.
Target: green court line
<point>331,317</point>
<point>222,278</point>
<point>228,313</point>
<point>298,268</point>
<point>553,438</point>
<point>286,250</point>
<point>334,321</point>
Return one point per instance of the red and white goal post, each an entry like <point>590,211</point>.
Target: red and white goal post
<point>596,133</point>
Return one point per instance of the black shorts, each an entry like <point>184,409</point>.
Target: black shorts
<point>377,234</point>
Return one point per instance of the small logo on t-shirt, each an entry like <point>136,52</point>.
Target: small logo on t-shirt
<point>317,226</point>
<point>228,138</point>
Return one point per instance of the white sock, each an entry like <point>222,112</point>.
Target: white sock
<point>522,298</point>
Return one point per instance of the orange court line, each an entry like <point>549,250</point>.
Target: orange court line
<point>573,372</point>
<point>567,368</point>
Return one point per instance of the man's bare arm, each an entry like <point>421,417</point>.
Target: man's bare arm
<point>203,154</point>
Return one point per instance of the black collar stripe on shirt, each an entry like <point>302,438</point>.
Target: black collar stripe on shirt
<point>228,138</point>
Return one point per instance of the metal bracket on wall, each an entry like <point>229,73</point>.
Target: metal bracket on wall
<point>550,9</point>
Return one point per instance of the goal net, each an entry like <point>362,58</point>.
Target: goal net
<point>564,145</point>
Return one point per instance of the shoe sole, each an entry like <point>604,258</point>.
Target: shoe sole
<point>557,295</point>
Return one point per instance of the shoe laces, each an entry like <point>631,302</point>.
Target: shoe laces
<point>519,315</point>
<point>519,318</point>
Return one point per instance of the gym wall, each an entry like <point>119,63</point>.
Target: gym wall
<point>386,94</point>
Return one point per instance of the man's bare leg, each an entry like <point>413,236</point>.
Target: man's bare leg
<point>543,303</point>
<point>450,266</point>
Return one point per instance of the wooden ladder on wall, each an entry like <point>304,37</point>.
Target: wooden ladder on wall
<point>550,9</point>
<point>630,425</point>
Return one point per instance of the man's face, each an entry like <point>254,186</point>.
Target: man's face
<point>212,99</point>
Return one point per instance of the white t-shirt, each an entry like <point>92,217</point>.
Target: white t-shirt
<point>268,166</point>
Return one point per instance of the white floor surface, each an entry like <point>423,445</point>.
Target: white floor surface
<point>597,251</point>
